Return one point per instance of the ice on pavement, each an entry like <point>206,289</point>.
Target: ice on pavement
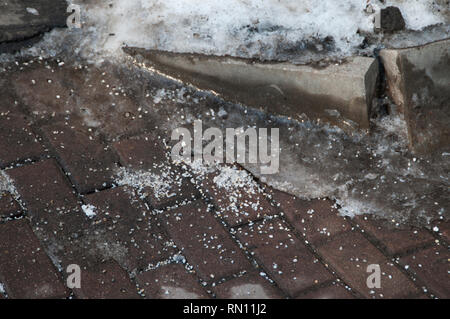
<point>364,173</point>
<point>89,210</point>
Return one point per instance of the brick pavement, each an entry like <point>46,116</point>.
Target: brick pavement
<point>178,235</point>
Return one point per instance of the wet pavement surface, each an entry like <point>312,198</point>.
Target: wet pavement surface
<point>86,179</point>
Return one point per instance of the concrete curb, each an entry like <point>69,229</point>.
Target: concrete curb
<point>418,81</point>
<point>341,94</point>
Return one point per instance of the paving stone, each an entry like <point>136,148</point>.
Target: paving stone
<point>90,162</point>
<point>181,190</point>
<point>9,206</point>
<point>43,187</point>
<point>91,94</point>
<point>204,242</point>
<point>240,203</point>
<point>394,237</point>
<point>316,219</point>
<point>8,104</point>
<point>334,291</point>
<point>284,257</point>
<point>443,229</point>
<point>54,211</point>
<point>431,269</point>
<point>25,269</point>
<point>18,143</point>
<point>142,152</point>
<point>171,281</point>
<point>112,106</point>
<point>127,235</point>
<point>146,154</point>
<point>249,286</point>
<point>129,223</point>
<point>106,281</point>
<point>350,254</point>
<point>44,88</point>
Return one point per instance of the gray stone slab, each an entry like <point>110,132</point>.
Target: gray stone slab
<point>419,82</point>
<point>20,21</point>
<point>338,93</point>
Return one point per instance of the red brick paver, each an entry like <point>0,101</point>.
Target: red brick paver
<point>442,229</point>
<point>239,204</point>
<point>351,254</point>
<point>204,242</point>
<point>43,187</point>
<point>9,206</point>
<point>148,153</point>
<point>96,187</point>
<point>17,142</point>
<point>396,239</point>
<point>315,219</point>
<point>129,223</point>
<point>430,267</point>
<point>284,257</point>
<point>90,162</point>
<point>105,281</point>
<point>171,282</point>
<point>25,269</point>
<point>141,152</point>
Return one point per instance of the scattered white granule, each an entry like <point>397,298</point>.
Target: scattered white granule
<point>33,11</point>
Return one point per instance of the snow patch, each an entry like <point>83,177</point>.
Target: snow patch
<point>231,179</point>
<point>160,184</point>
<point>89,210</point>
<point>253,29</point>
<point>6,184</point>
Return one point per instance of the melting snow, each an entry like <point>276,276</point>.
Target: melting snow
<point>257,29</point>
<point>6,184</point>
<point>89,210</point>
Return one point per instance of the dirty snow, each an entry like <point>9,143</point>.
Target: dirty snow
<point>230,178</point>
<point>6,184</point>
<point>365,174</point>
<point>266,30</point>
<point>160,184</point>
<point>89,210</point>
